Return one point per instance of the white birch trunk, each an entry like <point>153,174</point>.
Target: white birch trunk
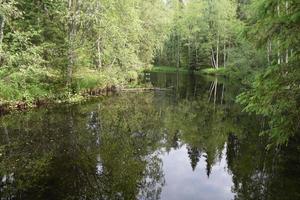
<point>99,66</point>
<point>72,34</point>
<point>196,57</point>
<point>278,53</point>
<point>268,52</point>
<point>215,95</point>
<point>278,43</point>
<point>287,50</point>
<point>217,56</point>
<point>2,23</point>
<point>178,55</point>
<point>224,55</point>
<point>189,53</point>
<point>213,58</point>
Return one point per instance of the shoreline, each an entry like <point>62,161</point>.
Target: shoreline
<point>206,71</point>
<point>22,106</point>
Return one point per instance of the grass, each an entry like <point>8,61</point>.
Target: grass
<point>167,69</point>
<point>209,71</point>
<point>31,85</point>
<point>214,71</point>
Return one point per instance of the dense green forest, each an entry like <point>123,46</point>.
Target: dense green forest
<point>51,48</point>
<point>60,49</point>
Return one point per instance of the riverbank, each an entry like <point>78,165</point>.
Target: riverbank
<point>7,107</point>
<point>86,83</point>
<point>215,71</point>
<point>23,90</point>
<point>167,69</point>
<point>207,71</point>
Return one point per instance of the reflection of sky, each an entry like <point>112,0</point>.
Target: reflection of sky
<point>182,183</point>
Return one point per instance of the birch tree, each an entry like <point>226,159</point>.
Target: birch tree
<point>72,29</point>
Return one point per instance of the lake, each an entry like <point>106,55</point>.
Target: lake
<point>187,141</point>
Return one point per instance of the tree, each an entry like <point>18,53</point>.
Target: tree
<point>275,91</point>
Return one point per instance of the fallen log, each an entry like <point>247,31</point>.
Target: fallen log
<point>145,89</point>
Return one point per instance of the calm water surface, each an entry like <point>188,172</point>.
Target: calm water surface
<point>188,142</point>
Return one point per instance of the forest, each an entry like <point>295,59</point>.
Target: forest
<point>59,50</point>
<point>149,99</point>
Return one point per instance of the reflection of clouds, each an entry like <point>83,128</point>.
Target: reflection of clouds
<point>99,166</point>
<point>153,180</point>
<point>94,125</point>
<point>184,183</point>
<point>8,178</point>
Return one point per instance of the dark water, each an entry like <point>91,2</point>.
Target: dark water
<point>185,143</point>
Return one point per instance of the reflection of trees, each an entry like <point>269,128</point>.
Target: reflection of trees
<point>111,149</point>
<point>71,154</point>
<point>214,92</point>
<point>257,173</point>
<point>203,127</point>
<point>263,174</point>
<point>129,139</point>
<point>194,155</point>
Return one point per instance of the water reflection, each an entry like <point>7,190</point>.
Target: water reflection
<point>82,152</point>
<point>183,183</point>
<point>191,142</point>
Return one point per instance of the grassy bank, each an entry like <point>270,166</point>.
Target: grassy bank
<point>167,69</point>
<point>34,87</point>
<point>29,88</point>
<point>214,71</point>
<point>209,71</point>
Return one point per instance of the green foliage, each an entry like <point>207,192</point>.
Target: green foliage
<point>94,44</point>
<point>249,39</point>
<point>25,85</point>
<point>275,94</point>
<point>275,91</point>
<point>54,49</point>
<point>199,27</point>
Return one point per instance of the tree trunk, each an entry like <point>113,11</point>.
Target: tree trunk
<point>222,97</point>
<point>278,53</point>
<point>217,56</point>
<point>278,43</point>
<point>99,63</point>
<point>178,55</point>
<point>216,88</point>
<point>268,52</point>
<point>99,66</point>
<point>287,50</point>
<point>224,55</point>
<point>196,57</point>
<point>71,37</point>
<point>189,53</point>
<point>2,21</point>
<point>6,135</point>
<point>213,61</point>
